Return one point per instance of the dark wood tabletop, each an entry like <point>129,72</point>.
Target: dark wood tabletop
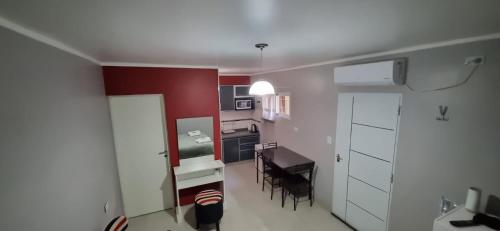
<point>285,158</point>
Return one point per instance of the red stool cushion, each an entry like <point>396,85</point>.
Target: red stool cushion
<point>208,197</point>
<point>118,224</point>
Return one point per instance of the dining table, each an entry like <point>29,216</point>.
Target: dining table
<point>292,162</point>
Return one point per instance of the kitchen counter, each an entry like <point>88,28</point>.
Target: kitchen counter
<point>239,133</point>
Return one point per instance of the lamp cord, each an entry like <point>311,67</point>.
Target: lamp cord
<point>261,59</point>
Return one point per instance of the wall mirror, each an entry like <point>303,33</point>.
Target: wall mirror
<point>195,139</point>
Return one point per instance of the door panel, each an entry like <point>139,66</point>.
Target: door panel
<point>342,146</point>
<point>378,111</point>
<point>139,134</point>
<point>363,221</point>
<point>366,139</point>
<point>246,154</point>
<point>369,198</point>
<point>372,171</point>
<point>375,142</point>
<point>231,149</point>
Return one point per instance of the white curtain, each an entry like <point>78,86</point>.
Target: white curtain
<point>269,107</point>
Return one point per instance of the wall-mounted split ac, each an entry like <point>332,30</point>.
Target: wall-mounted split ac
<point>384,73</point>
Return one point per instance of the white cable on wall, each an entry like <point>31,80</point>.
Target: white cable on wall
<point>476,61</point>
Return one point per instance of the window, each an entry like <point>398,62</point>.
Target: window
<point>283,105</point>
<point>274,106</point>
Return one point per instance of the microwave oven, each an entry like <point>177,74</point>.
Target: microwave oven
<point>244,103</point>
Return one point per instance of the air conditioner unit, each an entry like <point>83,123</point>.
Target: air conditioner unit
<point>384,73</point>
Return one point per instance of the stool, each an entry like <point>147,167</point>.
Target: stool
<point>208,207</point>
<point>118,224</point>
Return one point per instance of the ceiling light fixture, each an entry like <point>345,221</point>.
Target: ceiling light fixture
<point>261,87</point>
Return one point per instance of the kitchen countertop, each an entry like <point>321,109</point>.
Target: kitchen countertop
<point>239,133</point>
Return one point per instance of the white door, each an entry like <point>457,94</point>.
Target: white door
<point>143,165</point>
<point>342,146</point>
<point>367,128</point>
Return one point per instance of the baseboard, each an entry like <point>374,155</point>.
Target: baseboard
<point>345,223</point>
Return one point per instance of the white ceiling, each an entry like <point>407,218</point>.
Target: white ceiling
<point>223,32</point>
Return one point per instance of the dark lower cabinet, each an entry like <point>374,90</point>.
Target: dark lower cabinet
<point>247,154</point>
<point>238,149</point>
<point>230,150</point>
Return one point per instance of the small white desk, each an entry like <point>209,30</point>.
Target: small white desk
<point>442,223</point>
<point>195,174</point>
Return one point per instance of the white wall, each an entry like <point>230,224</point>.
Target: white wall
<point>57,162</point>
<point>312,109</point>
<point>434,158</point>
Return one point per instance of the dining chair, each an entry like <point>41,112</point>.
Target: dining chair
<point>296,183</point>
<point>271,174</point>
<point>258,155</point>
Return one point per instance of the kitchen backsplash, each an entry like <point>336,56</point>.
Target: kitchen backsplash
<point>234,115</point>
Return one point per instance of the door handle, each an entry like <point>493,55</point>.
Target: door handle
<point>339,158</point>
<point>165,153</point>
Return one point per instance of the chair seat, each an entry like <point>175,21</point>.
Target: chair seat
<point>297,185</point>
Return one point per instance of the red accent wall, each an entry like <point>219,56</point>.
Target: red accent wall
<point>234,80</point>
<point>187,93</point>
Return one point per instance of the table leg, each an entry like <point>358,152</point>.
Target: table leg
<point>310,185</point>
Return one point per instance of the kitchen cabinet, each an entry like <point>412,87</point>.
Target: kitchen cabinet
<point>226,95</point>
<point>230,150</point>
<point>241,91</point>
<point>239,148</point>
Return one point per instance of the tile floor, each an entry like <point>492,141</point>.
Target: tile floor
<point>248,208</point>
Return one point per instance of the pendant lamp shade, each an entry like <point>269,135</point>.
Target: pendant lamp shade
<point>262,88</point>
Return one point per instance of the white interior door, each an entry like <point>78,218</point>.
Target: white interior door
<point>364,171</point>
<point>342,146</point>
<point>144,170</point>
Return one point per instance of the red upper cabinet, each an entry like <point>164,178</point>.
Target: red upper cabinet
<point>234,80</point>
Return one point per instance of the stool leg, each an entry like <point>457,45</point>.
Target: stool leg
<point>217,225</point>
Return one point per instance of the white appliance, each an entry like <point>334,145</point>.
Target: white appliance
<point>385,73</point>
<point>366,138</point>
<point>244,104</point>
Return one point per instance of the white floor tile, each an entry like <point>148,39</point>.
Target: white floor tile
<point>247,208</point>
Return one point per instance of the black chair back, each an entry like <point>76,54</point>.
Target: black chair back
<point>269,145</point>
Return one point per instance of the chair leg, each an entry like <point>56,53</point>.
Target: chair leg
<point>294,203</point>
<point>283,197</point>
<point>217,225</point>
<point>197,224</point>
<point>263,181</point>
<point>272,187</point>
<point>257,171</point>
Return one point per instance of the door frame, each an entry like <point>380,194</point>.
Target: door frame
<point>394,158</point>
<point>396,144</point>
<point>165,144</point>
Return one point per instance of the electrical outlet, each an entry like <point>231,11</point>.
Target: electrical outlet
<point>475,60</point>
<point>106,207</point>
<point>329,139</point>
